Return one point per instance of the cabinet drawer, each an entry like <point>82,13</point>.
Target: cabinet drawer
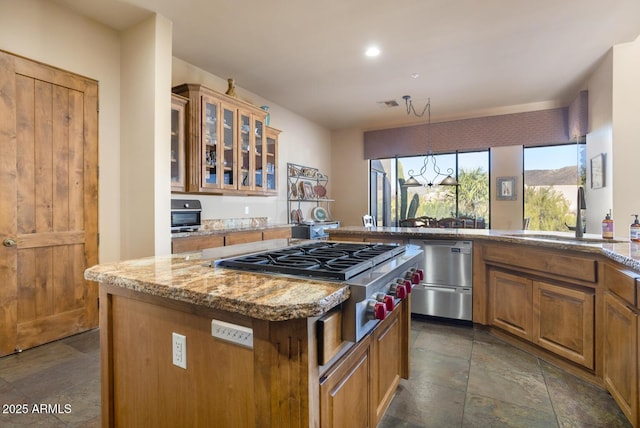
<point>196,243</point>
<point>242,237</point>
<point>621,283</point>
<point>283,233</point>
<point>547,262</point>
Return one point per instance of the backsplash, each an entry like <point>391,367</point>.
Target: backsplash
<point>233,223</point>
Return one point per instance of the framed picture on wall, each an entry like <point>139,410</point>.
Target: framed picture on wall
<point>597,171</point>
<point>506,189</point>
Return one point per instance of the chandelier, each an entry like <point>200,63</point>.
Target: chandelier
<point>430,165</point>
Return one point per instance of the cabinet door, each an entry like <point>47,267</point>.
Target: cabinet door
<point>259,157</point>
<point>345,399</point>
<point>510,303</point>
<point>178,153</point>
<point>387,363</point>
<point>211,158</point>
<point>621,355</point>
<point>247,148</point>
<point>271,160</point>
<point>564,321</point>
<point>228,157</point>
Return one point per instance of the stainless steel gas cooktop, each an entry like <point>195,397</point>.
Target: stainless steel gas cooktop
<point>330,260</point>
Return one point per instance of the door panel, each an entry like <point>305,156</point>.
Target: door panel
<point>49,147</point>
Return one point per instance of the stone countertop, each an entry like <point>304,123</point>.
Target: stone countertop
<point>190,278</point>
<point>620,250</point>
<point>203,232</point>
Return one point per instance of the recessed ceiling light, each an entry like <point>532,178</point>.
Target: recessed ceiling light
<point>372,51</point>
<point>415,75</point>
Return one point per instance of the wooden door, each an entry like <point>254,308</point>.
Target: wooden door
<point>48,203</point>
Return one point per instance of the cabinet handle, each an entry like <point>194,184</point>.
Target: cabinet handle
<point>9,242</point>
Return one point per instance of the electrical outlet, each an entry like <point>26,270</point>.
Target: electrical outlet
<point>232,333</point>
<point>246,210</point>
<point>179,350</point>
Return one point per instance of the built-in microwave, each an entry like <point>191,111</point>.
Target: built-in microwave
<point>185,215</point>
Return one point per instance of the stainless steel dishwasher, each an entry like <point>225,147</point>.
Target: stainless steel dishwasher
<point>447,289</point>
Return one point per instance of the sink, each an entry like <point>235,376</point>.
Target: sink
<point>585,239</point>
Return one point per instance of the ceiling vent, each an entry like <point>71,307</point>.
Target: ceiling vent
<point>388,104</point>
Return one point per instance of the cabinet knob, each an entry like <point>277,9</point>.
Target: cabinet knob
<point>9,242</point>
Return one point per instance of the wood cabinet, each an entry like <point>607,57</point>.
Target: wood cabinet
<point>345,393</point>
<point>178,149</point>
<point>266,177</point>
<point>564,322</point>
<point>200,242</point>
<point>358,389</point>
<point>229,150</point>
<point>559,318</point>
<point>196,243</point>
<point>511,303</point>
<point>386,345</point>
<point>621,344</point>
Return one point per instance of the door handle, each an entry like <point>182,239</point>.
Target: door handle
<point>9,242</point>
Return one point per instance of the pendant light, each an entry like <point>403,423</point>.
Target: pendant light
<point>430,163</point>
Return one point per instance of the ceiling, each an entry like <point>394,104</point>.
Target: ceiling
<point>473,58</point>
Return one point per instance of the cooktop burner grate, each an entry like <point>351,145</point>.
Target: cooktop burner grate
<point>331,260</point>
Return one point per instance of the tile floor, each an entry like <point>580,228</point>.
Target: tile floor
<point>461,377</point>
<point>464,377</point>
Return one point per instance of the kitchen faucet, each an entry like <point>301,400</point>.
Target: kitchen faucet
<point>581,205</point>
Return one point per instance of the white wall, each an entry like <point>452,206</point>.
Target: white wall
<point>506,162</point>
<point>350,177</point>
<point>626,135</point>
<point>301,141</point>
<point>145,186</point>
<point>46,32</point>
<point>600,140</point>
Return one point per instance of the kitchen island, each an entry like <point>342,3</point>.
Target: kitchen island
<point>275,378</point>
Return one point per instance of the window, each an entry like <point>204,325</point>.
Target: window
<point>391,203</point>
<point>552,175</point>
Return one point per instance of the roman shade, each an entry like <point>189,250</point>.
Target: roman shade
<point>536,128</point>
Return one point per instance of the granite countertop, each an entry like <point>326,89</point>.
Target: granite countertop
<point>189,277</point>
<point>620,250</point>
<point>224,231</point>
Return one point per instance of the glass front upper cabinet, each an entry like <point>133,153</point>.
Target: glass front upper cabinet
<point>211,172</point>
<point>227,146</point>
<point>178,161</point>
<point>245,158</point>
<point>228,158</point>
<point>258,132</point>
<point>271,159</point>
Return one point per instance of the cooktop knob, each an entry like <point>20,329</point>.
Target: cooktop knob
<point>398,290</point>
<point>387,299</point>
<point>406,283</point>
<point>376,310</point>
<point>421,273</point>
<point>413,276</point>
<point>389,302</point>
